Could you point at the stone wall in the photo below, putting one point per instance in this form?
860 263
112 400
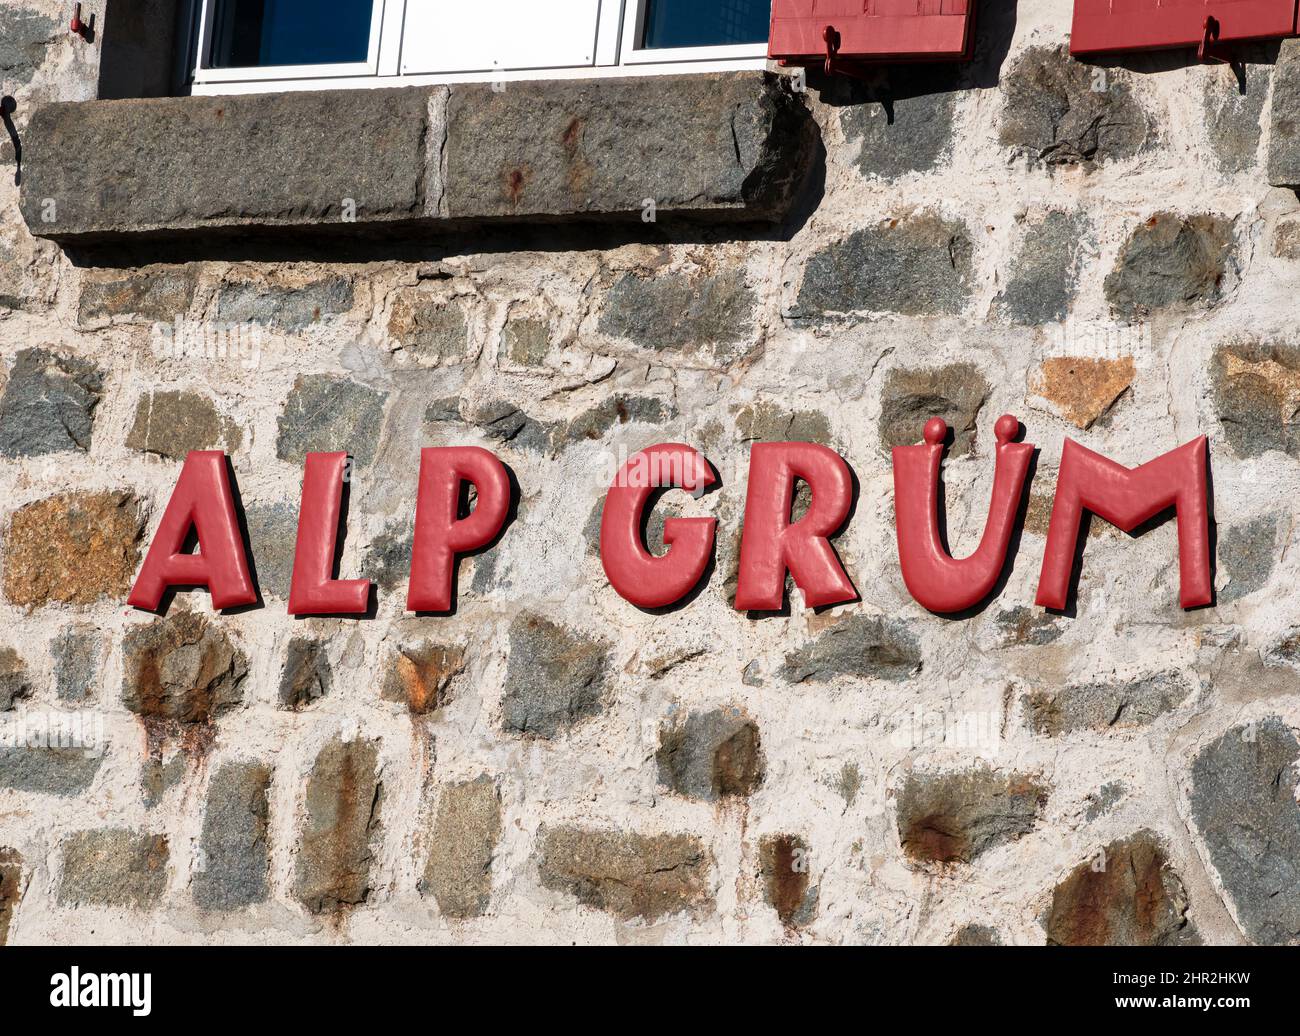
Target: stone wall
1094 248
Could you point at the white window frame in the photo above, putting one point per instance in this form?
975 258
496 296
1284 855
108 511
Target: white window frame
470 18
634 27
619 28
385 28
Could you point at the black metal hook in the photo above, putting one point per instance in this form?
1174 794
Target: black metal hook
1209 51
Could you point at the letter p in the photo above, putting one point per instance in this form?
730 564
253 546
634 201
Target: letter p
440 534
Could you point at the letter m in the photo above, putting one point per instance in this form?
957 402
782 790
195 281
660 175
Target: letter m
116 990
1127 497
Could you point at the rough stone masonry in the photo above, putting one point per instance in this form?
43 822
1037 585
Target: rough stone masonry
1109 253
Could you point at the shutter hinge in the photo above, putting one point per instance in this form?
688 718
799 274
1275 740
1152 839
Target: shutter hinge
78 27
834 64
1210 52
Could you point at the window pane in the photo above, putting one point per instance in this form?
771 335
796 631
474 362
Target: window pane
705 23
252 33
478 35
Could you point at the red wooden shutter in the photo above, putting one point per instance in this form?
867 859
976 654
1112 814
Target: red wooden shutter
871 30
1115 25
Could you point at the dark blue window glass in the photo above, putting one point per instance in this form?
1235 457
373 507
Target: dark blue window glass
252 33
705 23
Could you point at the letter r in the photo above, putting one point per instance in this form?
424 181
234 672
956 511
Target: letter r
770 545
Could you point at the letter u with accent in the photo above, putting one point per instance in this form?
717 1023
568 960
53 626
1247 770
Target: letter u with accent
934 577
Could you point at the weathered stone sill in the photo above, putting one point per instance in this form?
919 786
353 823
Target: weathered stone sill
725 147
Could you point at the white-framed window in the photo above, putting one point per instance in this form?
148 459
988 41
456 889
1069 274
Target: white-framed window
671 31
246 46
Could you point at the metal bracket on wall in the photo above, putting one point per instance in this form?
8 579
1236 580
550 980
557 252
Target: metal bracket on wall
835 65
77 26
1209 52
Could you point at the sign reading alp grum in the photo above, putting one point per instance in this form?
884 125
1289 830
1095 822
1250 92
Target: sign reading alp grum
772 545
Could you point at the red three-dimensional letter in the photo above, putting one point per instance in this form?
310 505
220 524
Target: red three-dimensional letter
202 499
314 591
1126 498
770 545
933 576
638 576
439 534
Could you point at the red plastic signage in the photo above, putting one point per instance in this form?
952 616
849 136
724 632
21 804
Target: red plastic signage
313 590
870 30
638 576
1126 498
1102 26
772 545
439 533
933 576
202 502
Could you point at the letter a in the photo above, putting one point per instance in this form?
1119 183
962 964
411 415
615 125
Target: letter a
934 577
59 996
202 500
